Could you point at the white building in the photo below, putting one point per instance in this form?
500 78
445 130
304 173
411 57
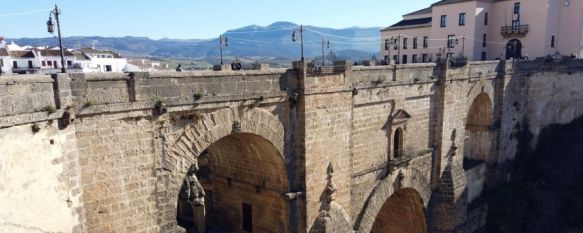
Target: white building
102 61
5 61
49 60
15 59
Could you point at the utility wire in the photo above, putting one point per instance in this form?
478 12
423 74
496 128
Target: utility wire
25 12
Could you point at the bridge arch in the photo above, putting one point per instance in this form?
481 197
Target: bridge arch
402 212
478 129
242 167
416 190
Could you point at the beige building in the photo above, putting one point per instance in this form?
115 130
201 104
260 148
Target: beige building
486 30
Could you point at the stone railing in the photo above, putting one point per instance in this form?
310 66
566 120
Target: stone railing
406 157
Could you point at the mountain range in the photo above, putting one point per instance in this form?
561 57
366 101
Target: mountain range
266 42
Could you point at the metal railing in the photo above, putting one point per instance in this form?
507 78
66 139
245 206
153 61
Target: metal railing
509 31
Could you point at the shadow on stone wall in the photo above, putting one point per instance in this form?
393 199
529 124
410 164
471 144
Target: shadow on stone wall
544 193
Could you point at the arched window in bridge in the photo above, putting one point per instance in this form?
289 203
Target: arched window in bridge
398 143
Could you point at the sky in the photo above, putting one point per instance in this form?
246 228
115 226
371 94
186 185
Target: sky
192 19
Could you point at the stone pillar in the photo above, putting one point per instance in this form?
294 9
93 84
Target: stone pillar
62 90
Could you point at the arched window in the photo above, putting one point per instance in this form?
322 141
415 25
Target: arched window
398 143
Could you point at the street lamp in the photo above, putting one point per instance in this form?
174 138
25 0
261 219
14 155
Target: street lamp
301 30
223 43
327 44
51 29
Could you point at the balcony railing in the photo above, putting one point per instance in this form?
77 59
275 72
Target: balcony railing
514 31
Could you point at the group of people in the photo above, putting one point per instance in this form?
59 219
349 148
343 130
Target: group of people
236 64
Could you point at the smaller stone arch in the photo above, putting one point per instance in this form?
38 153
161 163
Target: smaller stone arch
478 127
416 181
403 211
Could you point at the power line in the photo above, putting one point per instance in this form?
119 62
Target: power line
26 12
255 31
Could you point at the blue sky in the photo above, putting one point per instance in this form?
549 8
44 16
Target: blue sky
190 19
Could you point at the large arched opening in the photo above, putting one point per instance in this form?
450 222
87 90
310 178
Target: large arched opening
243 176
402 212
478 138
478 145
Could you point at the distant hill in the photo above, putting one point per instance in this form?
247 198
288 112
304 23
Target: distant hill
266 42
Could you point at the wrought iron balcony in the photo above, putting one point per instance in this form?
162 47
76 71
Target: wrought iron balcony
514 31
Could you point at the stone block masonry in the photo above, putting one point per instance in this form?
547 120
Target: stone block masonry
279 150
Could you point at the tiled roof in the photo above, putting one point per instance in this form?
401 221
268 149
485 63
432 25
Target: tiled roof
79 56
420 12
21 54
92 50
53 53
445 2
410 22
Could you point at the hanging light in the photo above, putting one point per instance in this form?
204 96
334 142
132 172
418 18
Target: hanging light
294 36
50 25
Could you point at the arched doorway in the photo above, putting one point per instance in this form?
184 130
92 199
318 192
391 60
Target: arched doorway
514 49
402 212
243 176
478 129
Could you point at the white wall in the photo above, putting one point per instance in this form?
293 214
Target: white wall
33 195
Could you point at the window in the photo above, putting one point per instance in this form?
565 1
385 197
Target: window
387 59
425 41
483 56
553 41
450 41
396 59
405 40
396 43
462 20
404 59
30 64
14 64
1 63
398 143
387 42
415 43
515 24
44 63
444 21
108 68
424 58
69 63
414 58
484 40
517 8
247 217
49 63
486 18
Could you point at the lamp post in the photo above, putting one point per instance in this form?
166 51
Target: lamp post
51 29
223 43
327 44
301 30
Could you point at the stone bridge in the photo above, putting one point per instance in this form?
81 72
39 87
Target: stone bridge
406 148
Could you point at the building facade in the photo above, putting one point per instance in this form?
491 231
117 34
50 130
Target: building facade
486 30
102 61
15 59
